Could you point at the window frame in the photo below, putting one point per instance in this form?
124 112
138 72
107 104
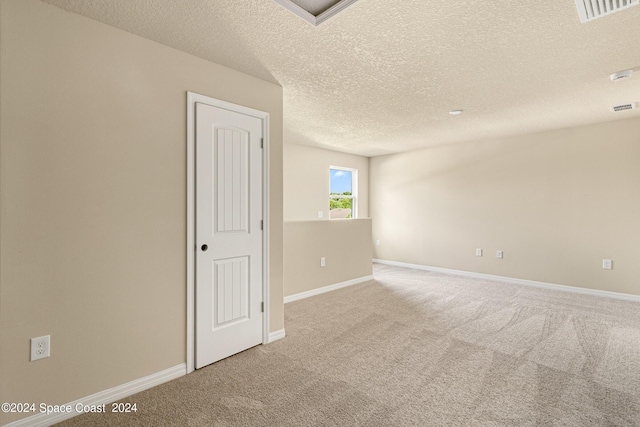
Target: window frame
354 190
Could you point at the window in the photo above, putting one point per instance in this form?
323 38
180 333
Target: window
343 192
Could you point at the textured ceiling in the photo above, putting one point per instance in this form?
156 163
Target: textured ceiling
382 75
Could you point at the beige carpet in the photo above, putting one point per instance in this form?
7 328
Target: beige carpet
420 348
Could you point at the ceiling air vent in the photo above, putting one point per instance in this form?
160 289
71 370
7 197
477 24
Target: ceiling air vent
594 9
621 75
623 107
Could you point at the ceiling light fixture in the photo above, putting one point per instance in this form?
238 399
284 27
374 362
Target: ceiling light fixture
455 112
620 75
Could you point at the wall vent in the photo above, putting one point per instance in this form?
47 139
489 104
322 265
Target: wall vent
594 9
624 107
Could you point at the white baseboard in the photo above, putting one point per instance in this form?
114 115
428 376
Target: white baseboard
104 397
565 288
276 335
314 292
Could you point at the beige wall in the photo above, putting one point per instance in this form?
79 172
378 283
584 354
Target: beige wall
344 243
93 196
306 181
556 203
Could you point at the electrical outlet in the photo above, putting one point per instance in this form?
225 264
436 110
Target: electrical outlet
498 254
40 347
322 262
320 214
607 264
478 251
377 242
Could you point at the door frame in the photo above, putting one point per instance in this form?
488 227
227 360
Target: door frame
192 99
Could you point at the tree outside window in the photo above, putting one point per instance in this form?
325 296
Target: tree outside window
342 193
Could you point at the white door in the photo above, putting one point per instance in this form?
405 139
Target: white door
228 233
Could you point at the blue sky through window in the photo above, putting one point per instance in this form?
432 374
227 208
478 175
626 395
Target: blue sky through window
340 181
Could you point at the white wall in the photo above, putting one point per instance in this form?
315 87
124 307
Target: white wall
556 203
93 196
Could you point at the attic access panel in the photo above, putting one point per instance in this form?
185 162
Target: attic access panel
315 11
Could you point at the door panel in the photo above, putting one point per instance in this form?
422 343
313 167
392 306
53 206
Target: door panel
232 191
231 291
228 233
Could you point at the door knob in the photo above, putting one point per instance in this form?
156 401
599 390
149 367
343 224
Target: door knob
204 247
